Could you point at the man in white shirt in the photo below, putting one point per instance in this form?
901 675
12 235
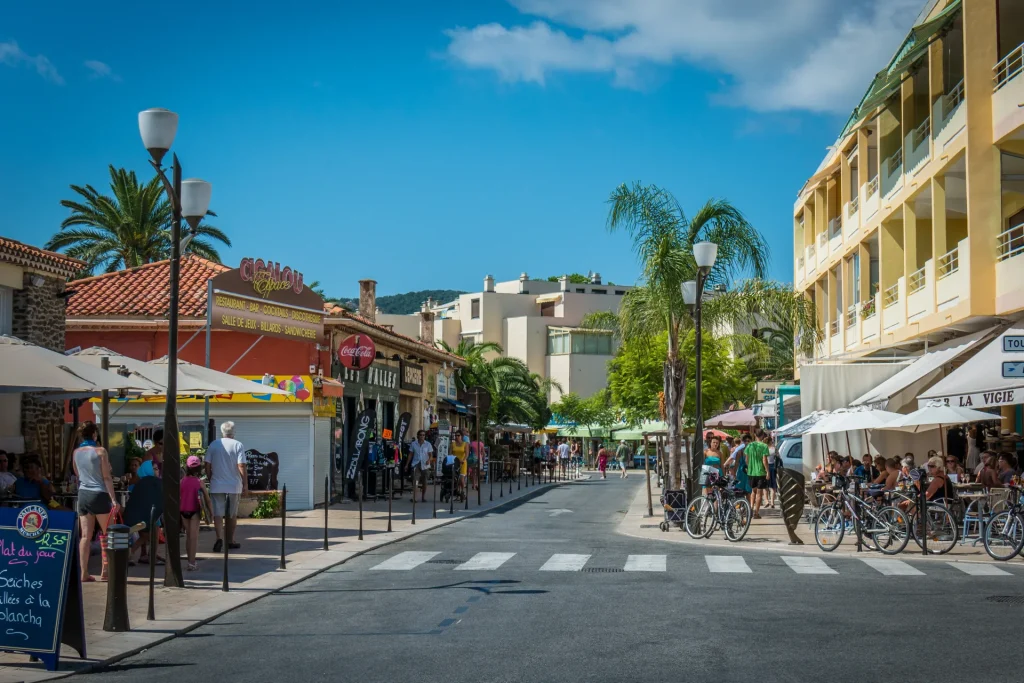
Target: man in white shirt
225 469
419 463
7 479
563 451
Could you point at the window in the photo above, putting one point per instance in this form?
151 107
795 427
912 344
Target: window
599 291
547 309
6 310
855 271
562 341
474 309
620 292
581 290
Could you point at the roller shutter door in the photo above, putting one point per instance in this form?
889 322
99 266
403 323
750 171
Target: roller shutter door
289 437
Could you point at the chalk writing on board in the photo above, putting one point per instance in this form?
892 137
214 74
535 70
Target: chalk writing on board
262 470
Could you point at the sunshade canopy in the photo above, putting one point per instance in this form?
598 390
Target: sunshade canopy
229 383
937 414
800 427
979 383
733 419
26 367
853 420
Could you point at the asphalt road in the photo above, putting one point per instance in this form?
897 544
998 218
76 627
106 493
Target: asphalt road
519 622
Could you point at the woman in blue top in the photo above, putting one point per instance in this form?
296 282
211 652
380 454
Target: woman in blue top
712 454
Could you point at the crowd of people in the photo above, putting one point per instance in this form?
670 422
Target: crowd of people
752 460
993 470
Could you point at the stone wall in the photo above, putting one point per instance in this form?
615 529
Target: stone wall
39 318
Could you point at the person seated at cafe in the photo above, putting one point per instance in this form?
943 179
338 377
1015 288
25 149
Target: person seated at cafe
132 478
908 464
888 478
7 478
987 475
150 466
32 484
866 469
940 486
953 468
1006 468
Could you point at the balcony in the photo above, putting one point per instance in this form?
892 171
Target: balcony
833 328
950 117
835 233
921 297
852 206
823 247
916 281
952 283
799 269
852 220
892 174
1009 264
948 264
811 260
870 202
1008 93
917 144
870 321
891 296
852 330
894 313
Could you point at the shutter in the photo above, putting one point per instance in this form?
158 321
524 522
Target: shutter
289 438
6 310
321 456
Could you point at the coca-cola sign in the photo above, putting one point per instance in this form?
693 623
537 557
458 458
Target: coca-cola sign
357 352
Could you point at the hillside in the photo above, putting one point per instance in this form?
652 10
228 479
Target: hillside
404 304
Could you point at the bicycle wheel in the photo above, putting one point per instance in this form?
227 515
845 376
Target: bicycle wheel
892 530
829 527
699 518
737 520
942 531
1004 536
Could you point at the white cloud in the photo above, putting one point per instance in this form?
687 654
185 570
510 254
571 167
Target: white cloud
778 55
12 55
100 69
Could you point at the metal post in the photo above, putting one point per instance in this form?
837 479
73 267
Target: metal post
469 479
209 326
171 466
922 509
698 438
227 543
647 471
434 487
415 485
284 514
116 616
451 491
490 477
480 447
856 508
391 492
501 484
519 474
104 410
154 544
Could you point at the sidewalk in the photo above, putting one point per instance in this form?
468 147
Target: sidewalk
768 533
253 572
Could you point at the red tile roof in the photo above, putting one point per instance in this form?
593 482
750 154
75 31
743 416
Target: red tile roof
335 311
143 291
33 257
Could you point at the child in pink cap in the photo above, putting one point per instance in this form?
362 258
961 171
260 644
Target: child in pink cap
192 490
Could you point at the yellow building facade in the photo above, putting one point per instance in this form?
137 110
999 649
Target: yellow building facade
912 229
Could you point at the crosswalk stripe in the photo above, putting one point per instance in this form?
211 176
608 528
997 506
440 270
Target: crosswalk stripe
482 561
979 569
406 560
727 564
891 567
565 562
646 563
808 565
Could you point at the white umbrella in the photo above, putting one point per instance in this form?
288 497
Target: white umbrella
852 419
228 384
934 415
26 367
155 375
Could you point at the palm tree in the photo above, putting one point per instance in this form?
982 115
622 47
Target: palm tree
128 229
663 238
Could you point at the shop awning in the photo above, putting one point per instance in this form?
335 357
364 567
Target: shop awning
549 298
903 387
460 408
801 426
332 388
31 368
733 419
979 383
637 433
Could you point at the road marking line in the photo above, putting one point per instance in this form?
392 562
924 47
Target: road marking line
808 565
727 564
406 560
482 561
979 569
891 567
646 563
565 562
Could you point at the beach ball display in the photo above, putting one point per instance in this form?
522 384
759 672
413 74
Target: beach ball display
295 386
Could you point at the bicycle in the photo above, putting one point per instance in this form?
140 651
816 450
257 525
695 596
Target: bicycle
1004 534
722 508
885 528
943 530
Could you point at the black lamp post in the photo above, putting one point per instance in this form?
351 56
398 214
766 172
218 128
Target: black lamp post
704 253
190 200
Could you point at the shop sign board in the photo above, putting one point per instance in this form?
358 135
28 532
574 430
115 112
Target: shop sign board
324 406
444 433
377 377
262 298
365 425
442 384
1013 343
1013 368
261 470
403 427
41 595
412 376
356 352
986 399
767 391
453 389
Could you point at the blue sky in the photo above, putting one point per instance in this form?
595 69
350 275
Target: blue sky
426 144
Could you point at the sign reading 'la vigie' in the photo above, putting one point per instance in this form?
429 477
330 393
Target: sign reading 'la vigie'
260 297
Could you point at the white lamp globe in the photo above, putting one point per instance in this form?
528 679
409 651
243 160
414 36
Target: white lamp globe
704 253
158 128
195 198
689 293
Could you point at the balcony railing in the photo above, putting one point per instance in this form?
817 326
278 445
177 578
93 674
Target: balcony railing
920 134
1008 67
947 264
800 262
853 206
891 296
894 162
852 153
823 240
916 281
872 186
810 255
952 99
833 327
851 315
1011 242
835 227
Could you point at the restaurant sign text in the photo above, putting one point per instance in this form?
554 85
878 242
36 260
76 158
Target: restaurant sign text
264 299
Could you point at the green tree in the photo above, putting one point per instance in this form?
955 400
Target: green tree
635 379
663 238
581 414
128 228
574 278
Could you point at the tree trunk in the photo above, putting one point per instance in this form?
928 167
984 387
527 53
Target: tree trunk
673 376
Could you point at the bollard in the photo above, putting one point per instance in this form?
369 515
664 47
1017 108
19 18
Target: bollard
154 544
490 477
227 544
361 480
327 509
434 487
451 491
922 509
119 545
469 483
415 485
519 477
479 481
856 509
391 493
284 512
501 484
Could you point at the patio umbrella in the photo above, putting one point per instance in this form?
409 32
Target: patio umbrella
733 419
230 384
27 367
848 420
934 415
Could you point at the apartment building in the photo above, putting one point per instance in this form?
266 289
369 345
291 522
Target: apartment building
911 231
537 321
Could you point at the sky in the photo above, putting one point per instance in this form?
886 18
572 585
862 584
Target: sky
427 144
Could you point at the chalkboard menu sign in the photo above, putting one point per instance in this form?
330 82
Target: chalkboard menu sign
262 469
40 592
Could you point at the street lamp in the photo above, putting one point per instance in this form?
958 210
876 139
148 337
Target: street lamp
190 199
704 254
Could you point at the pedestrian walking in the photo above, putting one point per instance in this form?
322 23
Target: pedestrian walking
96 499
621 453
419 463
756 455
602 461
225 469
563 454
192 495
460 449
774 465
574 453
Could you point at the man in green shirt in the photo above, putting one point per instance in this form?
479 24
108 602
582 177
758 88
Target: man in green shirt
756 454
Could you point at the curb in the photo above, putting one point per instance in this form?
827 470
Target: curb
100 666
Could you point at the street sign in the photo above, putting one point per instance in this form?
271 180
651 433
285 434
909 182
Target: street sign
1013 342
1013 368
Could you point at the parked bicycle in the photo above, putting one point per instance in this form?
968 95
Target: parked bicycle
721 508
1004 534
941 524
885 528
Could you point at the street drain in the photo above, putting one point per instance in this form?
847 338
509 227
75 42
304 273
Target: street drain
602 570
445 561
1007 599
649 526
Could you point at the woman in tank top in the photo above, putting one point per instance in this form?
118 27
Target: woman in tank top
96 499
